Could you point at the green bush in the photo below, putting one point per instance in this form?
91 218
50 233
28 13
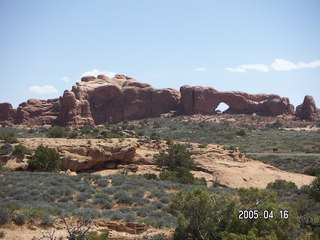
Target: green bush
45 159
177 155
202 145
6 148
73 134
241 132
282 184
155 136
58 132
20 150
94 236
20 218
181 175
202 215
150 176
4 216
313 190
312 171
8 136
156 237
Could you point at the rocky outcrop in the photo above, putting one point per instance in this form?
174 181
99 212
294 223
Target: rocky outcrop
81 154
38 112
111 100
205 100
7 114
99 100
217 164
307 110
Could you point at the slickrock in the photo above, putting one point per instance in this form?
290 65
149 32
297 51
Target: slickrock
307 110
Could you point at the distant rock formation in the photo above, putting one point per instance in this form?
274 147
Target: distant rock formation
95 101
99 100
307 110
205 100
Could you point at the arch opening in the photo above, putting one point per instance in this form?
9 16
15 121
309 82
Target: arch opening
222 107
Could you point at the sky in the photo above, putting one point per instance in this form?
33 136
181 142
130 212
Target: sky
255 46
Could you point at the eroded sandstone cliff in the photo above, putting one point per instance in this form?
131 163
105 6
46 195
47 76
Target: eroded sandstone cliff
99 100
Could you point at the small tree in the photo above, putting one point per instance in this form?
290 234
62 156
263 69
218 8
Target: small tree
45 159
282 184
20 150
177 155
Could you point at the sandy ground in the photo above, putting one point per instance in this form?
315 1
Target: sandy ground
29 232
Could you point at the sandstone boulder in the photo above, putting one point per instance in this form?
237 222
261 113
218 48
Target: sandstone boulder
307 110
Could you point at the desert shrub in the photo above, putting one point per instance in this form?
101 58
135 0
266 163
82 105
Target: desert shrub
165 199
150 176
1 165
202 145
4 215
20 218
102 182
116 215
313 190
47 220
312 171
177 155
2 234
118 180
8 136
110 190
83 197
282 184
241 132
20 150
73 134
156 237
216 216
6 148
130 217
140 132
122 197
139 193
44 159
94 236
155 136
181 175
87 212
58 132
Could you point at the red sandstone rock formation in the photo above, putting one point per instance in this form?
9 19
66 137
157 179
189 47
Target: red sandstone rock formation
102 99
205 100
307 110
98 100
38 112
7 113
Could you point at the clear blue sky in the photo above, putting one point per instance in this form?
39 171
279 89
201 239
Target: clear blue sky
256 46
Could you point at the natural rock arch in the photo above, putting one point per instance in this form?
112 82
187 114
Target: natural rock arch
221 107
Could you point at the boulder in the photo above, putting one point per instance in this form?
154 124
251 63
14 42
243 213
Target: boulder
307 110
